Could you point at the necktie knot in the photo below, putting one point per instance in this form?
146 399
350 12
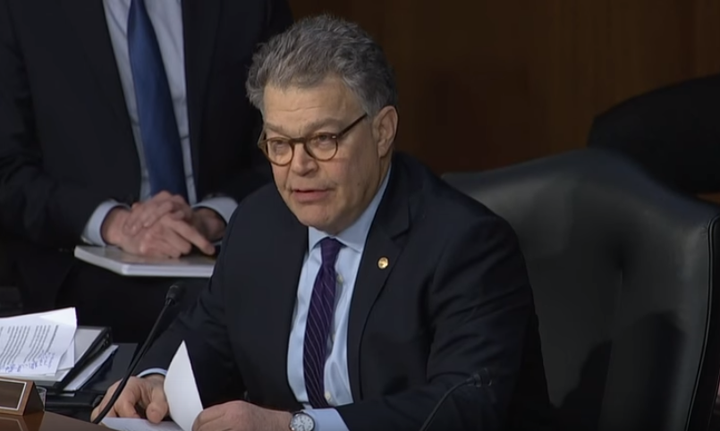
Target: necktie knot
330 247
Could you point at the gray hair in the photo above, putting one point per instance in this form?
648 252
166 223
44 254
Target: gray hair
315 48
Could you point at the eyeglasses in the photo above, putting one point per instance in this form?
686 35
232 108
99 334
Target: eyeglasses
321 146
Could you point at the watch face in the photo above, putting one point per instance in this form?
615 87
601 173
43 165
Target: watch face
302 422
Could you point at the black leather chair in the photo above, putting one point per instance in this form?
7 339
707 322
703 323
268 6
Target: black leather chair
672 131
625 277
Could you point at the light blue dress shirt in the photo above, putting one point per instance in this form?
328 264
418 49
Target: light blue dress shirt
166 17
337 379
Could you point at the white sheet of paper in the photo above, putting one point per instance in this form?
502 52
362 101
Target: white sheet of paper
34 344
128 424
181 390
68 358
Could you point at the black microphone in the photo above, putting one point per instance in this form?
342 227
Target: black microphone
479 380
173 296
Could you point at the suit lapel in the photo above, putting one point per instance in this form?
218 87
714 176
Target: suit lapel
87 17
200 24
280 290
382 250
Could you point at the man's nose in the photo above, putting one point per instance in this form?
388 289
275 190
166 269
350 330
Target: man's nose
302 162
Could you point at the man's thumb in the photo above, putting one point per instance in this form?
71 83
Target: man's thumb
156 411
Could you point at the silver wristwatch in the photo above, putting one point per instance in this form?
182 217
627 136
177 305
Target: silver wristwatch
301 421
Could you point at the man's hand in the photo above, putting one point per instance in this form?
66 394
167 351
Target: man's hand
208 223
241 416
146 393
169 237
146 214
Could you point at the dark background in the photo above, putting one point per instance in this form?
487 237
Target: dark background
488 83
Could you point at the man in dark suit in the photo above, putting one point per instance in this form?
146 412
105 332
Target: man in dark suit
673 132
124 122
359 288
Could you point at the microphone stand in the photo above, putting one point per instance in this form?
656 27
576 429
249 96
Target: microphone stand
173 295
475 380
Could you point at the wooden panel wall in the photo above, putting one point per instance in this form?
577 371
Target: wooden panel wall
487 83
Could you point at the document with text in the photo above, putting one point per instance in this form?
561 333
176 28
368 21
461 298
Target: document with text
36 344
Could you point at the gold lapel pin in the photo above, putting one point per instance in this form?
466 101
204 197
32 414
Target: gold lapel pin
383 263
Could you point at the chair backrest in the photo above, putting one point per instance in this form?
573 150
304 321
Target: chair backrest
672 131
624 273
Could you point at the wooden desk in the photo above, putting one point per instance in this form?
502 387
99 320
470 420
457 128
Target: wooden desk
45 422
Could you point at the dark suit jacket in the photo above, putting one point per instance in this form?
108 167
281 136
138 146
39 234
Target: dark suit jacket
454 300
674 132
66 144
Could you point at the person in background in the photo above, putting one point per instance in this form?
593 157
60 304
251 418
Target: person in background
124 123
357 289
673 132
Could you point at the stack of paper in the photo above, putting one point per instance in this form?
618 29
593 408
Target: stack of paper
38 345
129 424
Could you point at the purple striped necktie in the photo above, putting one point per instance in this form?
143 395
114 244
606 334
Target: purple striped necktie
319 321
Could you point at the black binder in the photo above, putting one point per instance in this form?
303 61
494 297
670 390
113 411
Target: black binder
102 341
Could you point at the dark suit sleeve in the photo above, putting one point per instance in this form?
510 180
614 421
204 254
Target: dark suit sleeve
204 329
32 204
672 132
278 18
480 307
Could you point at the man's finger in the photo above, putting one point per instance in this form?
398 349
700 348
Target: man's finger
145 215
108 394
96 411
158 408
207 417
161 196
132 218
179 215
153 244
154 212
131 223
191 234
161 247
125 408
175 242
211 425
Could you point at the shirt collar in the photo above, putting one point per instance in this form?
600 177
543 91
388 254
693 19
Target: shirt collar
355 235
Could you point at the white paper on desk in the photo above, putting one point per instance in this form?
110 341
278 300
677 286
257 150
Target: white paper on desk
130 424
34 344
68 358
181 390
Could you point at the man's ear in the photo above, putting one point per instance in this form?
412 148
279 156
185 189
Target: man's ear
384 129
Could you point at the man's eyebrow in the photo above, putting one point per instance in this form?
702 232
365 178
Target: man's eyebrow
309 128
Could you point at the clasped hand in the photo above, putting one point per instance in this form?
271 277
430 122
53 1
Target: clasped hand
147 395
163 226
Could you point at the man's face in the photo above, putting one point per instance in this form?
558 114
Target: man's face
328 195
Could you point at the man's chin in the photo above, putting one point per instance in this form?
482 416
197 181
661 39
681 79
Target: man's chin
315 221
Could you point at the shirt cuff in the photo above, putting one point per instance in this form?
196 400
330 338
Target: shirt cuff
152 371
327 420
224 206
92 234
